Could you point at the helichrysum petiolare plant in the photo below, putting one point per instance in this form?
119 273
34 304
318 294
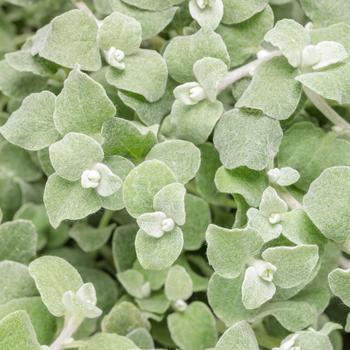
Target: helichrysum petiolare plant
174 174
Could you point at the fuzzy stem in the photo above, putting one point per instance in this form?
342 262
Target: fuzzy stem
106 218
292 202
245 70
70 326
321 104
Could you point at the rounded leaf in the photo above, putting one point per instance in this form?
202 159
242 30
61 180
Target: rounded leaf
178 284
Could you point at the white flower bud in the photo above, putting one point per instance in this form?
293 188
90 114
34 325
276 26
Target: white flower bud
168 225
115 58
275 218
264 269
197 93
274 175
203 4
290 344
90 178
311 55
180 305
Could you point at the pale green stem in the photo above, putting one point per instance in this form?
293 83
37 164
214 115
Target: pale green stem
292 202
321 104
106 218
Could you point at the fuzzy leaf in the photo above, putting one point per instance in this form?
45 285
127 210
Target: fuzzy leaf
158 253
247 139
145 74
65 200
17 332
229 250
142 183
31 126
273 90
153 5
82 106
120 31
193 329
339 282
74 154
18 241
209 16
241 10
184 51
331 219
108 341
195 123
71 39
53 277
178 284
294 264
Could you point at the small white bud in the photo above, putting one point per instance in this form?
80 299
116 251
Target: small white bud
180 305
115 58
168 225
274 175
197 93
311 55
290 344
309 26
264 269
203 4
275 218
90 178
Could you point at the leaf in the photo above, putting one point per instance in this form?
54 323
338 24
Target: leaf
19 84
238 337
339 282
157 303
243 39
299 229
31 126
331 84
256 291
193 329
71 39
229 250
142 338
158 253
152 223
18 241
134 283
19 287
171 201
209 16
123 247
294 264
43 322
184 51
241 10
244 181
308 149
331 219
178 284
73 154
273 90
120 31
209 72
145 74
82 105
105 341
290 38
152 22
153 5
142 183
182 157
17 332
65 200
247 139
326 12
127 138
89 238
195 123
53 277
24 61
123 318
198 218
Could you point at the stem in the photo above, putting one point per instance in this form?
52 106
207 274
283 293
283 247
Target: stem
321 104
70 326
106 218
292 202
245 70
